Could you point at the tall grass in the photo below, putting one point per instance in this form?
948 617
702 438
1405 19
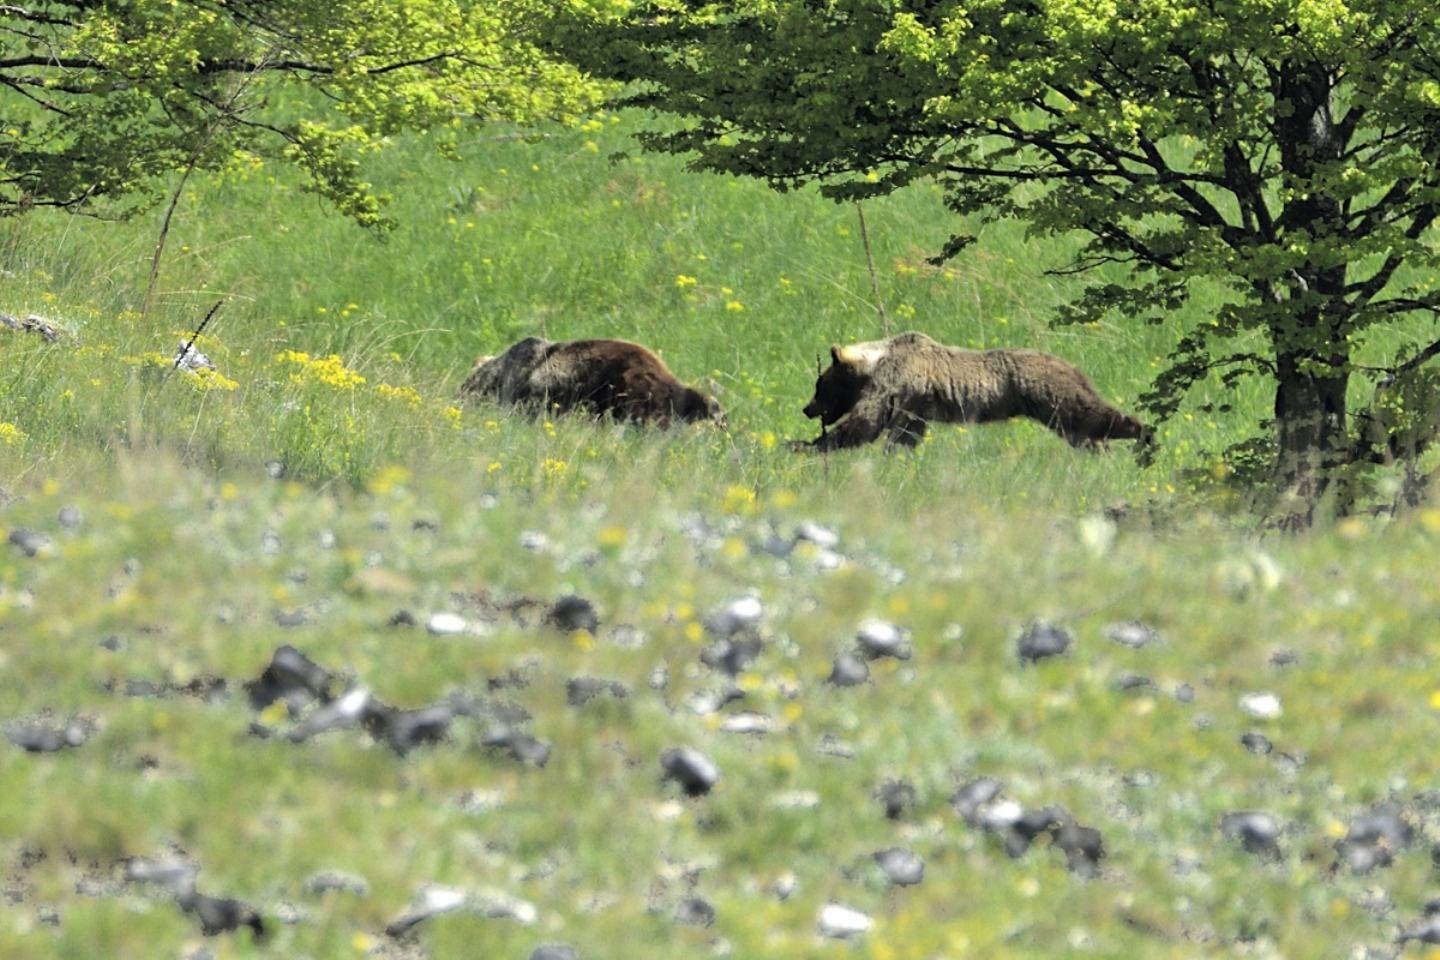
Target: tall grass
738 288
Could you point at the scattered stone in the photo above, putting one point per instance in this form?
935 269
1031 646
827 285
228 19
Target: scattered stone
1084 847
1040 640
554 951
1262 705
219 915
732 655
293 677
878 638
1289 763
290 619
1258 832
898 798
832 746
581 690
1373 838
431 902
812 532
1257 743
783 887
70 517
692 770
38 737
848 671
1284 657
1018 834
534 541
402 618
344 712
177 876
404 730
1424 930
189 359
573 613
742 613
1132 634
903 867
34 323
747 722
174 874
706 702
695 912
275 469
29 542
522 747
1133 681
972 798
839 922
446 624
1184 693
328 881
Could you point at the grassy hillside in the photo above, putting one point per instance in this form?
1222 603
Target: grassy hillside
735 286
166 535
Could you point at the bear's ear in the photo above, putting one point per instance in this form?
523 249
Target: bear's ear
835 354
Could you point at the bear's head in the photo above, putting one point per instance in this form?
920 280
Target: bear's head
838 389
692 406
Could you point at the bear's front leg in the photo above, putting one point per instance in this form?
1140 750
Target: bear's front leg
863 425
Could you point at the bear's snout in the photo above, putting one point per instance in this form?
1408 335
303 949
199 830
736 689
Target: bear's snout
811 410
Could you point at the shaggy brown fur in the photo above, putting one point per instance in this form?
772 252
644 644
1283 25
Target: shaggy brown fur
897 386
604 377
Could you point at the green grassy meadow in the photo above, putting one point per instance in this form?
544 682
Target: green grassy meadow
328 479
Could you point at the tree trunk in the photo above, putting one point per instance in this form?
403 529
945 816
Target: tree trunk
1310 432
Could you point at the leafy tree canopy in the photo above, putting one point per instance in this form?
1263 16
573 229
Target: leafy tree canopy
1286 147
99 98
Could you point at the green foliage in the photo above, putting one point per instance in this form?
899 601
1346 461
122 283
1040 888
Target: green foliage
101 100
1287 149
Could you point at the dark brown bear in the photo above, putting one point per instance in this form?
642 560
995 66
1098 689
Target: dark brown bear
896 386
603 377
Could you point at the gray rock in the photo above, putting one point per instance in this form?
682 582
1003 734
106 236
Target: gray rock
28 542
692 770
903 867
811 532
573 613
879 638
554 951
1257 831
848 671
38 737
839 922
1084 847
695 912
581 690
898 798
1041 640
70 517
290 676
973 796
1257 743
742 613
337 881
1133 634
521 747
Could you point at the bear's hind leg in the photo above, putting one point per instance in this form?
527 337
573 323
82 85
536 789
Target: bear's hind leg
905 430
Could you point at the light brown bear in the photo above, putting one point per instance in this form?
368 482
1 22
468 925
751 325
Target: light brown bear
603 377
896 386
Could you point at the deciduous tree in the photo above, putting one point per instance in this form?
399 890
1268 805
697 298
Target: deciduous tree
100 99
